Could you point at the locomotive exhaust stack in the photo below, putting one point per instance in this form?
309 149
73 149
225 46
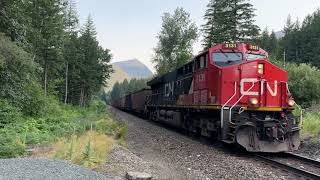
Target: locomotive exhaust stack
231 92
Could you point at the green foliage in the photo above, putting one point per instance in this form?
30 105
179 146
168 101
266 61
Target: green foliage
304 82
175 40
301 40
8 114
10 144
71 67
18 78
311 125
268 41
228 20
121 89
92 67
13 21
19 131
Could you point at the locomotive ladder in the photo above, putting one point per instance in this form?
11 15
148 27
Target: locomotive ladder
228 126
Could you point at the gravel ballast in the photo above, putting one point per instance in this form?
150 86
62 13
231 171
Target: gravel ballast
310 149
177 156
40 169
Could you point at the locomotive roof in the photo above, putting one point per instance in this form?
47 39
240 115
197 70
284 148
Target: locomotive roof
171 74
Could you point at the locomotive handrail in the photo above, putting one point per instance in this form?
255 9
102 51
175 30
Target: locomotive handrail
299 107
222 108
239 101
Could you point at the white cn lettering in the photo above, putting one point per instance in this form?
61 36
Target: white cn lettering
247 92
169 87
273 92
250 81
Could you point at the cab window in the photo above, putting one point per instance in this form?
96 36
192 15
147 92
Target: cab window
201 62
251 56
226 58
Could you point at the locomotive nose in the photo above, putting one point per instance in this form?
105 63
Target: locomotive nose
263 84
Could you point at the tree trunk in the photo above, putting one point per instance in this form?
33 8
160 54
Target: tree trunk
81 96
66 84
45 77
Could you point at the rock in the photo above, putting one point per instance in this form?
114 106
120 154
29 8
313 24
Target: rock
138 176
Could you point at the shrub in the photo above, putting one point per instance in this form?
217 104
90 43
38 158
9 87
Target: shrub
304 82
18 78
11 144
8 113
311 125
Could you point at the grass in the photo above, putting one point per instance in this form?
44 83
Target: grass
311 125
18 132
89 150
91 147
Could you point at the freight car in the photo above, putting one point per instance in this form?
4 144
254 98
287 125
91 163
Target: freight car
231 92
134 102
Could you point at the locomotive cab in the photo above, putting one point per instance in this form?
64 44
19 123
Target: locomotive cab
255 101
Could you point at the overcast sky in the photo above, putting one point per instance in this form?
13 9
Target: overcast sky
129 27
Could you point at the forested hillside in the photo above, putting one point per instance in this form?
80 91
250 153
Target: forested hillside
51 72
129 69
71 63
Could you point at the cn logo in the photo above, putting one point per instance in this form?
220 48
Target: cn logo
252 81
168 89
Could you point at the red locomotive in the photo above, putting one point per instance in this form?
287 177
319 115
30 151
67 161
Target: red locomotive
231 92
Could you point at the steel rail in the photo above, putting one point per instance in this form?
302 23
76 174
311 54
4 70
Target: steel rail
303 158
292 169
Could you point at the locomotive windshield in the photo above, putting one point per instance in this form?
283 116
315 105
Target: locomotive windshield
251 56
226 58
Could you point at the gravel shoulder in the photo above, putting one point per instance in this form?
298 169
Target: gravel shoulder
40 168
167 154
310 149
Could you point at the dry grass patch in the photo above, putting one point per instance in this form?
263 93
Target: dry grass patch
89 150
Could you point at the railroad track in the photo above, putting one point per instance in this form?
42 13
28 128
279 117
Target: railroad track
299 165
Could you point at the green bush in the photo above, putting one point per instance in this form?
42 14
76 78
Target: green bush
8 114
311 124
18 78
11 144
56 121
304 82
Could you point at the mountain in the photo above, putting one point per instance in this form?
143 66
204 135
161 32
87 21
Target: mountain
118 76
127 70
134 68
279 34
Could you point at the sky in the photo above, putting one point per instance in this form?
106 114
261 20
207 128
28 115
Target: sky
129 27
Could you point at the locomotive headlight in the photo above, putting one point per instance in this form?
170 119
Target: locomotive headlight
291 102
260 68
253 101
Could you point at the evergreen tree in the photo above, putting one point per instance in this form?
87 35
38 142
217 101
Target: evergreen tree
13 21
264 38
70 50
121 89
268 42
291 42
273 43
229 20
94 63
46 35
116 91
175 41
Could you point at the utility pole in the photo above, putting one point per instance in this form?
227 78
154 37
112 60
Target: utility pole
284 58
